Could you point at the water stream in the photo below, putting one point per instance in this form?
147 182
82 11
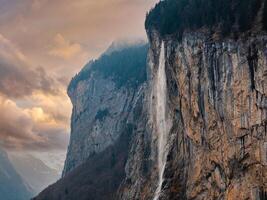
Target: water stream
162 128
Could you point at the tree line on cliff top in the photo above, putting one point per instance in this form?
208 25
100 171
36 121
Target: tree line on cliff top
177 16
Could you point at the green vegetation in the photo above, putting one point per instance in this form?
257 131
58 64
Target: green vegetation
177 16
125 67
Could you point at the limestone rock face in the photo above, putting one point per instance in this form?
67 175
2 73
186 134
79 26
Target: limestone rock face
101 104
99 110
109 120
217 100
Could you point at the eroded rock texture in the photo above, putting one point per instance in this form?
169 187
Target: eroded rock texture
108 117
217 97
103 95
99 113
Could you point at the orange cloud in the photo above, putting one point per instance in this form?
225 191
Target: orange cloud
64 48
29 100
30 128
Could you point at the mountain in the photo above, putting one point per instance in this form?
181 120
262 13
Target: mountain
12 187
33 171
103 94
199 128
107 97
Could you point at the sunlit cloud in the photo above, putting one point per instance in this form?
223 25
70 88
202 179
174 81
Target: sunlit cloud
35 124
64 48
16 126
29 129
58 106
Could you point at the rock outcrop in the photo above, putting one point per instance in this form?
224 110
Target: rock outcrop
217 100
217 103
108 102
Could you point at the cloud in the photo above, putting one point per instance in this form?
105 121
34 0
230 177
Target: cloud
64 48
17 77
63 35
57 106
15 122
29 101
29 129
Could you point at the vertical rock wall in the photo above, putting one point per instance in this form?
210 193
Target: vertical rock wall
218 99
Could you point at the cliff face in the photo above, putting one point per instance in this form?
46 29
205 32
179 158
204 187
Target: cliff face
196 130
99 111
108 98
207 102
101 104
217 100
210 139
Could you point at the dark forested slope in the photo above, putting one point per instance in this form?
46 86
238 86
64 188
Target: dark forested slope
227 16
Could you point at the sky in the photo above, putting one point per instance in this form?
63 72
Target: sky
43 44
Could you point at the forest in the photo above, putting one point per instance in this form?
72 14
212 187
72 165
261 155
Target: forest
126 67
226 16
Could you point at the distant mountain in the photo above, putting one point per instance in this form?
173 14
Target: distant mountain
12 186
33 171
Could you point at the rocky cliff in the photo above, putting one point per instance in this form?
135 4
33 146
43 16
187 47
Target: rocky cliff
199 131
108 100
216 103
103 95
207 103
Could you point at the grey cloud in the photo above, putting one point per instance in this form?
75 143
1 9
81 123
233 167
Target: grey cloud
17 77
18 81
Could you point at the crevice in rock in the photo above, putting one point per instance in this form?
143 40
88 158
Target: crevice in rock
252 63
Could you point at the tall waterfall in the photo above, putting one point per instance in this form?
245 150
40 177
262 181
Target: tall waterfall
162 127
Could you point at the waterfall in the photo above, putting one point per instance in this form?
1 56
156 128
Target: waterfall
162 128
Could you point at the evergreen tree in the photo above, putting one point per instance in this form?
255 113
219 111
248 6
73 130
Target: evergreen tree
176 16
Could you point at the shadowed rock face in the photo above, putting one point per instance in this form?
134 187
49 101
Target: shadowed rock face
103 95
107 118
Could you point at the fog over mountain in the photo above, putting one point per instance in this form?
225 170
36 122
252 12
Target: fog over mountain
33 171
12 186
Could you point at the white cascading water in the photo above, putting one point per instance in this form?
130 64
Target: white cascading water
162 128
